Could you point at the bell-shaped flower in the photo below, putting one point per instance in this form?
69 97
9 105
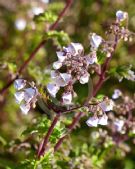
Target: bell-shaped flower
29 94
57 65
84 78
74 49
118 124
117 93
121 16
92 122
106 105
25 108
19 96
63 79
61 56
95 41
67 98
92 58
54 74
103 120
52 89
19 84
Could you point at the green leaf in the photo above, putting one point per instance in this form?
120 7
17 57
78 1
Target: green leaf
47 16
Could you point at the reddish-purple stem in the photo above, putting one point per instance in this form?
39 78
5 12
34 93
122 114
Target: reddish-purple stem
70 128
41 44
42 146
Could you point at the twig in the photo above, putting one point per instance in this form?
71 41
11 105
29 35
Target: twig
41 44
42 146
105 67
70 128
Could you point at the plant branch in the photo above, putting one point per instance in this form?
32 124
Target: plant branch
34 52
104 69
42 146
70 128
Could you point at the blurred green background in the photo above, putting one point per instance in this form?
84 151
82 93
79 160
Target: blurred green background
16 43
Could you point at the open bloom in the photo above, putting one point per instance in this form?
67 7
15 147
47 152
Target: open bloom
118 124
67 98
106 105
25 97
95 41
117 93
103 120
121 16
92 58
92 121
19 84
52 89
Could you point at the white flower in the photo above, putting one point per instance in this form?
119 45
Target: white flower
63 79
117 93
84 78
95 41
29 94
37 10
106 105
45 1
20 24
19 96
92 121
19 84
61 56
74 49
54 74
91 59
118 125
131 75
67 98
103 120
121 16
52 89
25 108
57 65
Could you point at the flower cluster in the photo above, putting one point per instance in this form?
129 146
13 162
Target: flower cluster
75 64
26 97
99 110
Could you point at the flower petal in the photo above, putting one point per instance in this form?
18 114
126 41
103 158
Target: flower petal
19 96
121 16
57 65
103 120
63 79
29 94
95 41
85 78
107 105
61 56
67 98
19 84
92 122
25 108
52 89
